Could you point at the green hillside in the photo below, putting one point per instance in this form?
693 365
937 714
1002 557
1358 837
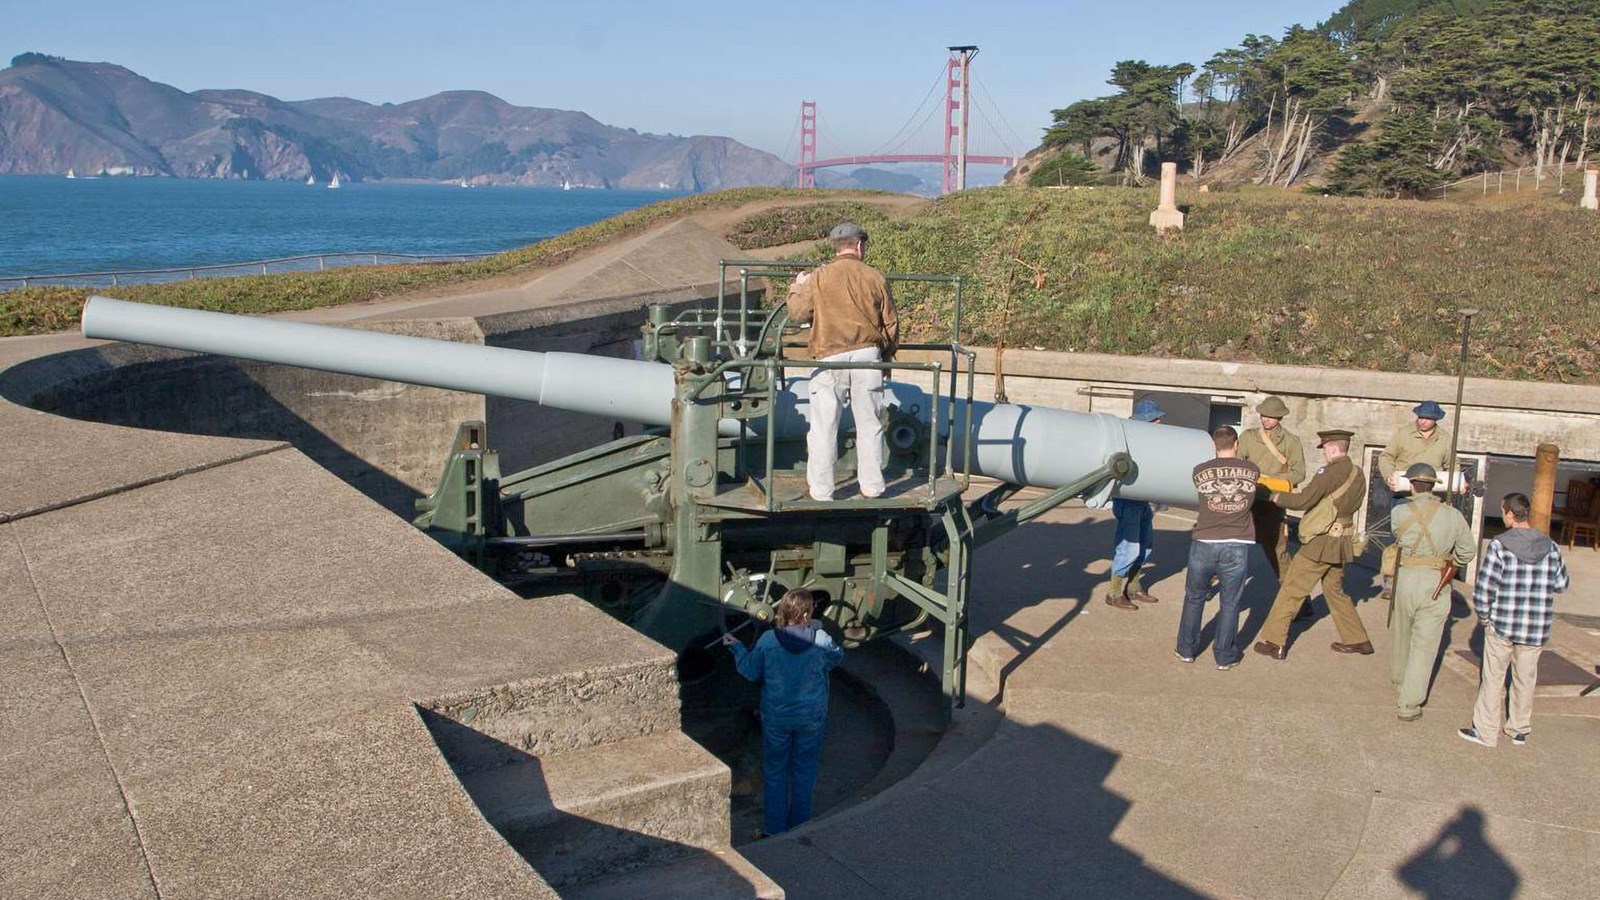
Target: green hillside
1262 275
1258 275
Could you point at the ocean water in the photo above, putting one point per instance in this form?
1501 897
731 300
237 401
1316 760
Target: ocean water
51 224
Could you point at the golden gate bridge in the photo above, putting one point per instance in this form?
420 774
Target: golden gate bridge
995 144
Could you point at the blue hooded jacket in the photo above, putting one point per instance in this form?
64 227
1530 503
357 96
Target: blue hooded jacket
792 665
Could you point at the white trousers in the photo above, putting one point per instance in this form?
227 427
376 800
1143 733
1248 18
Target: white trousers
830 389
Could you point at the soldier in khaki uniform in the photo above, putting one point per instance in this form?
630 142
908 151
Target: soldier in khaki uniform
1332 498
1435 542
1278 453
1422 442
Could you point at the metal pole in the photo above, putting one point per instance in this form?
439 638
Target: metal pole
1461 387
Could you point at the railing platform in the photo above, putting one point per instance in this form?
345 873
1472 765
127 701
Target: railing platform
788 493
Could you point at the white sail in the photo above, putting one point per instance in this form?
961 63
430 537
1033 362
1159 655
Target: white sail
311 181
335 181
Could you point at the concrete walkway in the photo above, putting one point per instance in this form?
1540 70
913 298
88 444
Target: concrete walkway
1119 771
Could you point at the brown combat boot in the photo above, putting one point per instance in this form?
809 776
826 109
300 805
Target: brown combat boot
1117 594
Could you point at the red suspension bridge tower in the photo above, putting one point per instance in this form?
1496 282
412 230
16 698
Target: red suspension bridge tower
956 76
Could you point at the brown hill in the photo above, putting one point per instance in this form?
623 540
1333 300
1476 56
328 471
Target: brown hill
58 114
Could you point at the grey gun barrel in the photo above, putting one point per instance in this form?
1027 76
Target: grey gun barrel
1032 445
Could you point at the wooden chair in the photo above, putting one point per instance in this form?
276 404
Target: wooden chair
1580 516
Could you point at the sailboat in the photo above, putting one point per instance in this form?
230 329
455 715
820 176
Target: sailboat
311 181
566 185
71 174
334 183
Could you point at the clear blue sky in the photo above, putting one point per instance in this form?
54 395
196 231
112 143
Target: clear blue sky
712 67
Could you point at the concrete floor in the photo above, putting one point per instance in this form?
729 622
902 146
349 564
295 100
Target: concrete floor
1119 771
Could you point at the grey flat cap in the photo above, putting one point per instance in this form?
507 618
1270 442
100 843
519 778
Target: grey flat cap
845 231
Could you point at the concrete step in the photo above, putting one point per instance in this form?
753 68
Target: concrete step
608 809
592 704
710 875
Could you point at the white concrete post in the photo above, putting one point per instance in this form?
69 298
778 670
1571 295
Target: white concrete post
1167 214
1591 178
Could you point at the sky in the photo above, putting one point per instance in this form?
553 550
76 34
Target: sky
712 67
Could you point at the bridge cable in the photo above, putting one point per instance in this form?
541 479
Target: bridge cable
932 89
790 144
1021 147
917 133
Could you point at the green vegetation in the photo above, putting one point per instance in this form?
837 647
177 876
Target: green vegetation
37 310
1402 95
1063 169
1260 275
792 224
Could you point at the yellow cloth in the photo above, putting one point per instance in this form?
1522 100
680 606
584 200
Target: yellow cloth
1276 485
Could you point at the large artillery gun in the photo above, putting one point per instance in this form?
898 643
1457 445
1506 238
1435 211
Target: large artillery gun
702 522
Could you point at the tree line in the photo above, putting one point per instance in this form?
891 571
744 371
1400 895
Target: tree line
1395 97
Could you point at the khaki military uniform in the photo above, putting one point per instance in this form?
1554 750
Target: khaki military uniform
1431 535
1279 454
1409 446
1322 557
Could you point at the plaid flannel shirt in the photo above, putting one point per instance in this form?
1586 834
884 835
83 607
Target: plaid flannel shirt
1516 598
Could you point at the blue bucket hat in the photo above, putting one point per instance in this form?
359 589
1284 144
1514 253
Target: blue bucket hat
1148 411
1429 410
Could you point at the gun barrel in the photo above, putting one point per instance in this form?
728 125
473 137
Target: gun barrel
623 388
1031 445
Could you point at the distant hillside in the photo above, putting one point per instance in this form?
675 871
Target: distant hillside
1385 98
57 114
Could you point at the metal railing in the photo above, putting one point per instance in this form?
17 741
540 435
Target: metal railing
310 262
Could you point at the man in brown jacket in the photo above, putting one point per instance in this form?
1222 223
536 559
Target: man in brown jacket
1332 498
1278 453
852 320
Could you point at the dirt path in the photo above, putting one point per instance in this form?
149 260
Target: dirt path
717 221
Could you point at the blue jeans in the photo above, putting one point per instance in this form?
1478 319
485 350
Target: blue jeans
789 755
1135 535
1229 563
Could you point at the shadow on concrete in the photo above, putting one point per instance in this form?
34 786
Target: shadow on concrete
1029 815
509 788
202 395
1460 864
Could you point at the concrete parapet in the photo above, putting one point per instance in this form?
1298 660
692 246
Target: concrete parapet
223 662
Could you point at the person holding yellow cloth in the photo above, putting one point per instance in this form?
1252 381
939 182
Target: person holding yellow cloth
1277 452
1331 499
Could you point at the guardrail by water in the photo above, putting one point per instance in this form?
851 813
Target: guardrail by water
311 262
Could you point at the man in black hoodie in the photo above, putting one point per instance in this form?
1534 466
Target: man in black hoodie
1515 600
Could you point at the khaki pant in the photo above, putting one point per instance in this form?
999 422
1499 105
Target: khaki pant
1297 583
1417 626
1523 659
1272 533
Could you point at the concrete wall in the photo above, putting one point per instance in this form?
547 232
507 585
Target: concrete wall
1502 418
386 439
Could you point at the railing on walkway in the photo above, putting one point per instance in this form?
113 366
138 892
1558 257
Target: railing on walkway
311 262
1554 177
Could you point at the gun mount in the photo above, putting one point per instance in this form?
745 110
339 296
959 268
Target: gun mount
703 520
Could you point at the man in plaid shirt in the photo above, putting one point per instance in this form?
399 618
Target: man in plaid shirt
1515 600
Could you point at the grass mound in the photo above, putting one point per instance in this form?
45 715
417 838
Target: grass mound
1262 276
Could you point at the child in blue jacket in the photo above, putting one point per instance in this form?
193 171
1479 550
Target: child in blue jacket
791 662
